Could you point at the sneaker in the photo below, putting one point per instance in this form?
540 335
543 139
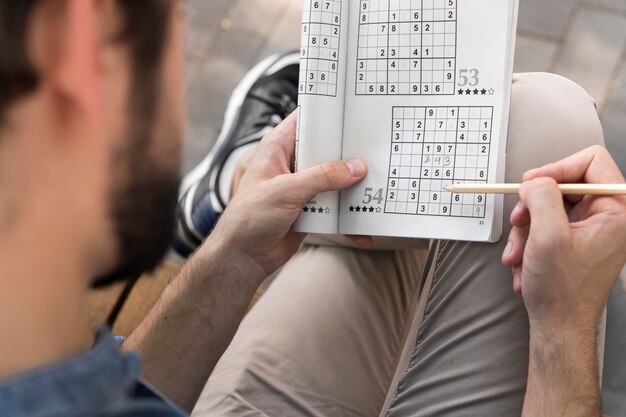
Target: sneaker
265 97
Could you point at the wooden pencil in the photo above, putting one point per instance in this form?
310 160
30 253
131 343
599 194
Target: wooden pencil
566 189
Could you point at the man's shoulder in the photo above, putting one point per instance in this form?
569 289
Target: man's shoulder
102 382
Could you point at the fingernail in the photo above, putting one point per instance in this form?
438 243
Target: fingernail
508 250
517 208
356 167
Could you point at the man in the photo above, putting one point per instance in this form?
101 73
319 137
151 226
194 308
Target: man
92 115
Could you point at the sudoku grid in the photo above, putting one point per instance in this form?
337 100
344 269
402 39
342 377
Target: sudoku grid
320 47
432 147
407 47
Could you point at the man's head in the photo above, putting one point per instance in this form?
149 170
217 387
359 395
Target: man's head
91 117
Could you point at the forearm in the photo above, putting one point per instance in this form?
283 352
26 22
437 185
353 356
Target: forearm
563 374
190 327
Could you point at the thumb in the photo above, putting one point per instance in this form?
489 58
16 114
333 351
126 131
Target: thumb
329 176
545 204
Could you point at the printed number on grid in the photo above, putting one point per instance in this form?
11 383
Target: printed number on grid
407 47
431 148
319 63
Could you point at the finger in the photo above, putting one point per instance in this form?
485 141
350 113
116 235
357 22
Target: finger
520 216
514 252
362 242
275 154
284 136
591 165
242 167
549 220
329 176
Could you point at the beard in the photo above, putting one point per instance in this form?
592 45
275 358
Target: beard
144 193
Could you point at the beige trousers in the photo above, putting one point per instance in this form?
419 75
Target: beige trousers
406 332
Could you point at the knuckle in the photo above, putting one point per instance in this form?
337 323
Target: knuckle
544 185
539 186
545 182
562 170
329 173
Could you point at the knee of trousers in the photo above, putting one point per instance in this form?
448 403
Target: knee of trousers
551 118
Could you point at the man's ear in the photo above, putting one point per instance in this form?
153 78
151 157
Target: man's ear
67 44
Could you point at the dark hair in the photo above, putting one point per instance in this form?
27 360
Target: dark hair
144 30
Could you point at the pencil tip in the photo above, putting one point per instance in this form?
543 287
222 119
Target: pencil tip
447 188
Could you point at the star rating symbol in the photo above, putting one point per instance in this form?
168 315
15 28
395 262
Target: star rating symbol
483 91
491 91
316 210
460 91
468 91
476 91
364 209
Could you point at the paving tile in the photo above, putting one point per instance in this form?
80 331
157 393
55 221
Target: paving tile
209 90
532 54
545 17
592 51
614 120
204 19
286 35
618 5
256 16
205 15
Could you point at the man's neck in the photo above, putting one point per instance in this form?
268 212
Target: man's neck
42 297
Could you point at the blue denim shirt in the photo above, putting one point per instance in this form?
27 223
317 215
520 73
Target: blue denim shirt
100 383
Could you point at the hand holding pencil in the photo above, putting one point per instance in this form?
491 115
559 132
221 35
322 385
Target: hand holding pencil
566 251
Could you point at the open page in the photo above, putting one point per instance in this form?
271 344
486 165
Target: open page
427 101
321 103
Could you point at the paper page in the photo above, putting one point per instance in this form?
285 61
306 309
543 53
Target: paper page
428 92
321 103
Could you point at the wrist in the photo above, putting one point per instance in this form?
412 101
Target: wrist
562 340
230 259
563 372
569 326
